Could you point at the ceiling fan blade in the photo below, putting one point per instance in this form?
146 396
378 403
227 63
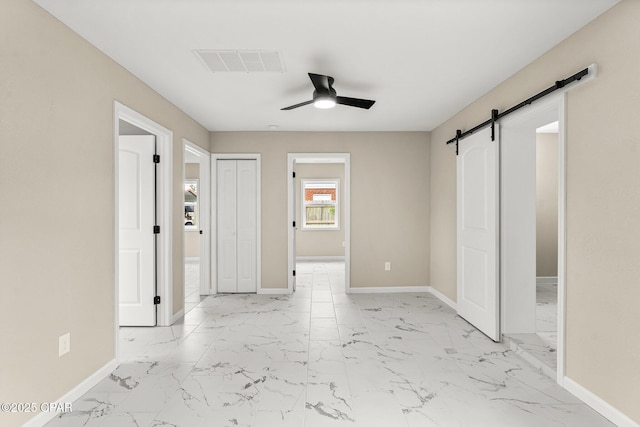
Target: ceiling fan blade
291 107
355 102
321 83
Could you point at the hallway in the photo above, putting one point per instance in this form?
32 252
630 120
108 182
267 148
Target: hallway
321 357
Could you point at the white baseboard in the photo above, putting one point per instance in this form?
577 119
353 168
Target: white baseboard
604 408
273 291
388 289
320 259
547 280
74 394
442 297
177 316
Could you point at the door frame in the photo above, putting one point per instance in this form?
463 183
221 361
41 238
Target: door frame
296 158
214 220
204 204
555 106
164 200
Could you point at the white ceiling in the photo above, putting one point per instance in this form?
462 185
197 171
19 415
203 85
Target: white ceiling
421 60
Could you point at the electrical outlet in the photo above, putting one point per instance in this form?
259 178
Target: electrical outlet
387 266
64 344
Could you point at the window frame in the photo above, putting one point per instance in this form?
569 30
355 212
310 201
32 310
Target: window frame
304 203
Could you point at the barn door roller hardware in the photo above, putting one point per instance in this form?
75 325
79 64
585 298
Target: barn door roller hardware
495 115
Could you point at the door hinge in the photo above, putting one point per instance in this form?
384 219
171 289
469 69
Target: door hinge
156 300
156 158
156 229
294 223
294 273
294 174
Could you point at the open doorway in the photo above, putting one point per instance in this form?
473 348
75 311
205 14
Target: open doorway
319 218
197 266
129 123
532 238
547 241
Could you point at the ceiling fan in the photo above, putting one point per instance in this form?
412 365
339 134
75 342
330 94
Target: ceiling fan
325 96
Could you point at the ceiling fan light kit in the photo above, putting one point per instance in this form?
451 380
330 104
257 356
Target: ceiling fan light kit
325 96
324 102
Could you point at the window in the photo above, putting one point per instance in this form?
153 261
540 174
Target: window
191 211
320 204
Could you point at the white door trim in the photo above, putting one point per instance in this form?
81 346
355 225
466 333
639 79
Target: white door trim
319 158
562 236
214 224
204 204
164 144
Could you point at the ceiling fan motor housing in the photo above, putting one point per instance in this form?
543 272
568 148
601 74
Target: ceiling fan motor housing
328 94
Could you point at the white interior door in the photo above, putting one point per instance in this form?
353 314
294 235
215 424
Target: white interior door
237 225
136 276
477 226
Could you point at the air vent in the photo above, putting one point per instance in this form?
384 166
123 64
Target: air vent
241 61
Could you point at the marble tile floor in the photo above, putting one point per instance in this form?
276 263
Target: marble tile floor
321 357
540 348
191 284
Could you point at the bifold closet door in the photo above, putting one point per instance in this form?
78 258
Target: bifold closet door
246 225
237 226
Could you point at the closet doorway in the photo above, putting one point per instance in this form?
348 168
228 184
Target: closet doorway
236 212
197 224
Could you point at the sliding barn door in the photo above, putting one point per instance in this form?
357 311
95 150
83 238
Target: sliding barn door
237 226
477 226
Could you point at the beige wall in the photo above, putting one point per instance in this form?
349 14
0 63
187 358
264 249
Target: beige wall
192 170
547 204
319 242
57 97
192 237
394 165
603 200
